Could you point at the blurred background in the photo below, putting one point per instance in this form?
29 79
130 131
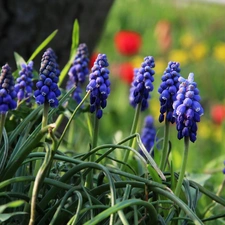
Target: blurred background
189 32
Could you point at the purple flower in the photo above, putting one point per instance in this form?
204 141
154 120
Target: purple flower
47 88
142 84
79 71
187 109
168 89
148 134
24 86
7 92
99 85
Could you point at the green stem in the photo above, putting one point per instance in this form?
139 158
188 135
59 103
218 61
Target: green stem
133 130
40 149
165 146
71 133
183 167
43 124
89 183
95 135
2 124
71 118
37 183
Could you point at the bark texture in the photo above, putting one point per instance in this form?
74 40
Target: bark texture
25 24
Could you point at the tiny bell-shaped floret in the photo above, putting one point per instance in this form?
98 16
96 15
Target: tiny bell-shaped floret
142 84
99 85
47 88
24 83
168 90
187 108
7 92
148 134
79 71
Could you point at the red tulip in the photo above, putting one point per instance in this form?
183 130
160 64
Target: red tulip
92 59
128 42
126 72
218 113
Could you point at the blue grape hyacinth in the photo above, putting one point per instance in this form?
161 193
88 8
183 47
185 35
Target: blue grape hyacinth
24 86
142 84
168 89
47 88
148 134
7 92
99 85
79 71
187 108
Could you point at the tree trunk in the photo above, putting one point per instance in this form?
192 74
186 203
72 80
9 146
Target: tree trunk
25 24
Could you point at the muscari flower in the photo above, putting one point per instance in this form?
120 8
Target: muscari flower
47 88
79 71
148 134
24 86
99 85
7 92
187 109
142 83
168 89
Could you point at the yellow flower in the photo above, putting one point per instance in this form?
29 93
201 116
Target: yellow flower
187 40
178 55
205 130
199 51
155 107
160 66
137 61
218 133
219 51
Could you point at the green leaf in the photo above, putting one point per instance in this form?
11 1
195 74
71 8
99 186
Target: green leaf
199 178
121 205
4 154
154 174
75 38
42 45
75 41
6 216
13 204
173 181
19 60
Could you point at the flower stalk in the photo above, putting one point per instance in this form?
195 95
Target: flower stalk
165 146
133 130
183 167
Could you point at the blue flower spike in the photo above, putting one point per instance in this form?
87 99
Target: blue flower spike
7 92
79 71
24 83
47 87
187 108
99 85
148 133
168 89
142 84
